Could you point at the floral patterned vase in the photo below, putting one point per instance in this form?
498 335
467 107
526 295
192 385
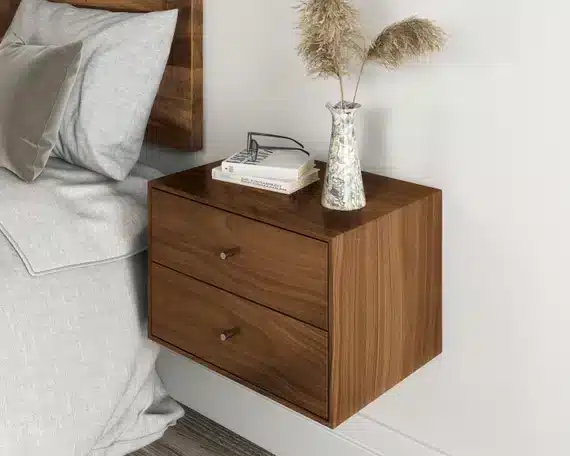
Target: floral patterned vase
343 189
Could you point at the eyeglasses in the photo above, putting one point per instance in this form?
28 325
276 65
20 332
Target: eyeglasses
253 146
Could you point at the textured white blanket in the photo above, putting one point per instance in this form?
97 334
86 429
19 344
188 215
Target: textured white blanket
77 371
72 217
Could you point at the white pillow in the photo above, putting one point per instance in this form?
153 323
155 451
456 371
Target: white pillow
124 57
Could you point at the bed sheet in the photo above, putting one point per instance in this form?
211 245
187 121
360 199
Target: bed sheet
77 371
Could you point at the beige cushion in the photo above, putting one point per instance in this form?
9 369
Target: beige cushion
35 85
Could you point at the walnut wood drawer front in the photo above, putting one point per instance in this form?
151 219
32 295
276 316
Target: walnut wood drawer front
273 267
276 353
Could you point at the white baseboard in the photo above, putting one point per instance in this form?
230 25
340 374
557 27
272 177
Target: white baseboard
383 440
273 426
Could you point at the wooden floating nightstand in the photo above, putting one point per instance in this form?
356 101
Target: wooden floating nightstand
321 311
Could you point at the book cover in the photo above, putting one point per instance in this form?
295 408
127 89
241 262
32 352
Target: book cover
283 186
276 164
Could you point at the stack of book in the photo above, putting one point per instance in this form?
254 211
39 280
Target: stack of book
281 171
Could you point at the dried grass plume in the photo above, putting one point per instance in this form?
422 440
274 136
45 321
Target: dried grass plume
407 39
330 35
332 38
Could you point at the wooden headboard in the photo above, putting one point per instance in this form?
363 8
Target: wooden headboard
177 115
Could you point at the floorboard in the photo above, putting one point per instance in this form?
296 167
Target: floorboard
196 435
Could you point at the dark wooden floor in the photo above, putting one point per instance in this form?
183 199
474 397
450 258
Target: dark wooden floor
195 435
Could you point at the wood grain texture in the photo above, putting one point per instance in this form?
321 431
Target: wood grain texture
384 269
386 319
138 6
301 212
7 10
241 381
277 353
177 115
5 14
276 268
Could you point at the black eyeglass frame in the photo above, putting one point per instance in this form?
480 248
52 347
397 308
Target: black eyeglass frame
253 145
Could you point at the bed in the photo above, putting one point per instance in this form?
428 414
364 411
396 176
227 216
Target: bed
77 371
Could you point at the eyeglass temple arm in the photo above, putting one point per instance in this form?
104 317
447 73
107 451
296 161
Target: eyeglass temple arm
286 148
269 135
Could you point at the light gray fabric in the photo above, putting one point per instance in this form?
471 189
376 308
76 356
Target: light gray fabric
35 85
124 57
72 217
77 370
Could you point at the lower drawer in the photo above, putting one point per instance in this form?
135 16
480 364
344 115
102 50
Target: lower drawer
278 354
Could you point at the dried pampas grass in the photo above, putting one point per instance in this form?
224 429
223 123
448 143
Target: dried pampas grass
331 38
407 39
330 33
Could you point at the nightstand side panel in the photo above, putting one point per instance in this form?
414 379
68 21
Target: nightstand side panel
385 304
421 234
355 338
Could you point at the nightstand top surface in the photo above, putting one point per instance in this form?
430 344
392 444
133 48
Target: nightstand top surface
300 212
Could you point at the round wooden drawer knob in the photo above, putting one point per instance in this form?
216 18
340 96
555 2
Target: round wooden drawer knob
227 335
229 253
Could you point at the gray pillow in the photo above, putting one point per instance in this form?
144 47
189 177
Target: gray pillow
35 85
124 57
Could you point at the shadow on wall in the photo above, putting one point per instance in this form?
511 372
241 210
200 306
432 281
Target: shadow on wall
372 134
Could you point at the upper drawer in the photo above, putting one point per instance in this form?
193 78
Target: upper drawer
279 354
277 268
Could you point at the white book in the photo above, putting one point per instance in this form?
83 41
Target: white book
286 187
275 164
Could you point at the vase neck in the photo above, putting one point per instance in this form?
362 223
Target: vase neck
343 117
346 107
343 121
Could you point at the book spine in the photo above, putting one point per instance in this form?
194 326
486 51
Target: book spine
265 171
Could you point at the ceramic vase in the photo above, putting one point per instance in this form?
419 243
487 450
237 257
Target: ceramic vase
343 189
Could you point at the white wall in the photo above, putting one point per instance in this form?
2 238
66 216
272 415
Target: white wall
487 121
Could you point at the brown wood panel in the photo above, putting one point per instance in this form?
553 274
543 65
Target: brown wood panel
421 230
187 53
177 117
278 354
5 15
276 268
301 212
7 10
241 381
172 114
142 6
386 304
